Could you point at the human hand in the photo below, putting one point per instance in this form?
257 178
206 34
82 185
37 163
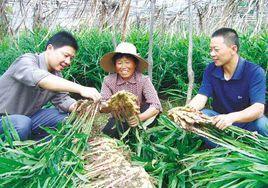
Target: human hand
223 121
104 107
73 107
90 92
133 121
83 106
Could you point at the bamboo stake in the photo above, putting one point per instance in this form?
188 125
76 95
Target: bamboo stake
151 38
190 55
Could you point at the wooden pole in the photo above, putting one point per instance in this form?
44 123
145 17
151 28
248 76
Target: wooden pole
150 51
190 54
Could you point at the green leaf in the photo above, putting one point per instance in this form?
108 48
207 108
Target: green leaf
7 133
8 165
125 133
148 122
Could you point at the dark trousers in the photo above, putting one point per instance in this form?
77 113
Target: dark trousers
29 127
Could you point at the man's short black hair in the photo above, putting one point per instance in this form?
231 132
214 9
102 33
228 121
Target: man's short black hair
230 36
61 39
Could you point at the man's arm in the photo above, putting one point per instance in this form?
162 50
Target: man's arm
249 114
58 84
198 102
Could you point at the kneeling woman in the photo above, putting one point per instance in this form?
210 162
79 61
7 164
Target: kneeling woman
126 67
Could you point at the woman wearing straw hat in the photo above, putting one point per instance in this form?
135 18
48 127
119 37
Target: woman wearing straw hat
125 67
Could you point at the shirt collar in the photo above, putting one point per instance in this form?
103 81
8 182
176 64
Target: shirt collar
42 61
218 71
132 80
43 65
239 69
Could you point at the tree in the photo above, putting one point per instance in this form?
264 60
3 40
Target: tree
125 16
150 51
190 54
37 19
4 22
260 15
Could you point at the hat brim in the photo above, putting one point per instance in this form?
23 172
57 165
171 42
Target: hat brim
107 64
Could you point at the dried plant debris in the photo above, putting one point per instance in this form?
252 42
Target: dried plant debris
187 117
108 166
83 106
123 105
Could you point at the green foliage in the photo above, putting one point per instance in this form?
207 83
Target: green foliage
55 161
241 162
26 42
169 55
167 152
85 69
160 148
255 49
174 158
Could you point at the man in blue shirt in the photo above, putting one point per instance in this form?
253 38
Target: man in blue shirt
236 86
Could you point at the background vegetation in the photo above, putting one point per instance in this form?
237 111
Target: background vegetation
169 54
167 152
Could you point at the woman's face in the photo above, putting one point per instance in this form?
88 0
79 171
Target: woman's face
125 67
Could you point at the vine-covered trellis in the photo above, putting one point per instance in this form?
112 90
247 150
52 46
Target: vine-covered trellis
120 15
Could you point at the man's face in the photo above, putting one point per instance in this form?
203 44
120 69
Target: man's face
125 67
59 58
220 52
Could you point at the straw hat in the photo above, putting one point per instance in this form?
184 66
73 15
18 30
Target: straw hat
124 48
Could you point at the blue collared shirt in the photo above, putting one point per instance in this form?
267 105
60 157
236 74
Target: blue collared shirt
246 87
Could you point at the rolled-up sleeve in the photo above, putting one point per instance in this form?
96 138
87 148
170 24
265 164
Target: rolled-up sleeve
26 71
63 101
150 94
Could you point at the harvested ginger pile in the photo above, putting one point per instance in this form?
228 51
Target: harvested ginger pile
186 117
123 105
108 165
